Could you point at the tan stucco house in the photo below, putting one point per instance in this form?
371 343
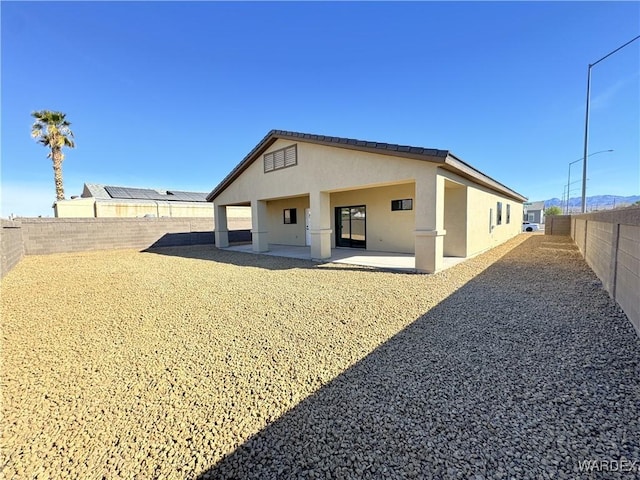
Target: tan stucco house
330 192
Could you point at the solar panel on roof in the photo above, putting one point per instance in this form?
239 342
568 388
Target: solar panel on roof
149 194
117 192
188 196
142 193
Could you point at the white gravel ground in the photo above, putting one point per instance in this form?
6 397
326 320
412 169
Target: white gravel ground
193 362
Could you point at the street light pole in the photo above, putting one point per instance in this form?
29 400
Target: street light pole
586 144
586 123
569 177
569 183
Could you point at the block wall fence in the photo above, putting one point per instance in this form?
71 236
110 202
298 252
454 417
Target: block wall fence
610 243
42 236
11 245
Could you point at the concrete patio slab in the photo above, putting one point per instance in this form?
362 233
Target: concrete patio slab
351 256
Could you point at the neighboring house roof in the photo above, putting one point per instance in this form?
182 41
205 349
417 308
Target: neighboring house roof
445 158
535 206
111 192
94 190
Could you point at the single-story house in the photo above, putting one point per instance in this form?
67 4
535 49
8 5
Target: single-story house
331 192
99 200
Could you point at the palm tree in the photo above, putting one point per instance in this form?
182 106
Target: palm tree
51 129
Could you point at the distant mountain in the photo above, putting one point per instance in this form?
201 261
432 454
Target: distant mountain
597 202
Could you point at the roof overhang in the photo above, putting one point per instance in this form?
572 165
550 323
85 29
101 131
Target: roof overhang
444 158
455 165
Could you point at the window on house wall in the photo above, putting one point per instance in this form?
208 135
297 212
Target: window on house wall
283 158
490 220
406 204
508 213
531 217
290 216
499 213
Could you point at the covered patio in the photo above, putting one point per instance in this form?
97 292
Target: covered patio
403 262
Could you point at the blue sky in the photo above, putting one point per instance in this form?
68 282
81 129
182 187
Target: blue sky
174 94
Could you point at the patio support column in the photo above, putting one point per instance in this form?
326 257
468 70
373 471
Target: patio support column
320 228
221 228
259 231
429 215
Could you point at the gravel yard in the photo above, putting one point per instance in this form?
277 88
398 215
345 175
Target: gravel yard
192 362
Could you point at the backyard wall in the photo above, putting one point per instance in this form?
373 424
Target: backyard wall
12 248
557 225
41 236
57 235
610 243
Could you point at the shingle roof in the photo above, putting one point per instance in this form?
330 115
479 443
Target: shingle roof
444 157
108 192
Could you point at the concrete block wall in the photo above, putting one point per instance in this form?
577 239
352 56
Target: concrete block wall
578 232
610 244
43 236
600 251
627 287
57 235
557 225
11 246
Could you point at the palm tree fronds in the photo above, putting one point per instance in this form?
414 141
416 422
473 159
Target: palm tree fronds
52 130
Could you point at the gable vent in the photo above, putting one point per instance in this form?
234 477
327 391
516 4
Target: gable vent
285 157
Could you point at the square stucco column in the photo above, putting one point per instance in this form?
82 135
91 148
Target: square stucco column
429 215
259 231
221 228
320 228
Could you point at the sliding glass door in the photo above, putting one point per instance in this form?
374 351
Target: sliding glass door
351 226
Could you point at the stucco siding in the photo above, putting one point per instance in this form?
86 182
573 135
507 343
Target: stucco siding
386 230
455 220
287 234
159 209
90 207
483 232
321 168
75 208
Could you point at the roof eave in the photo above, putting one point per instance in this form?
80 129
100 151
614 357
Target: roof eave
437 156
444 158
456 165
265 143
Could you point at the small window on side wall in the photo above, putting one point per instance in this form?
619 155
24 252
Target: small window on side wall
499 213
290 216
406 204
508 213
